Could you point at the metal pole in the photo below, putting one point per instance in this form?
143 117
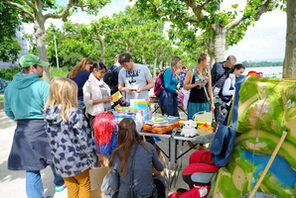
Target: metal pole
56 51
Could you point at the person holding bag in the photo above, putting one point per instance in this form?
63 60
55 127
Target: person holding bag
130 163
199 83
168 100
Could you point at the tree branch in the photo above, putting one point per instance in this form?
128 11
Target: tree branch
157 10
31 5
64 13
265 7
196 8
20 7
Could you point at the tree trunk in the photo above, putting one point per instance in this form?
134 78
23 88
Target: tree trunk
39 31
155 64
143 59
161 62
219 43
103 48
289 69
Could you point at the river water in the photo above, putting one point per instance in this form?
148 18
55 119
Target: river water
267 71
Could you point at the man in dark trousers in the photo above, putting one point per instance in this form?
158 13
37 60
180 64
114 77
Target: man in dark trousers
24 98
220 73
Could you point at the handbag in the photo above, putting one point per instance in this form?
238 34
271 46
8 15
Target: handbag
184 94
134 194
106 188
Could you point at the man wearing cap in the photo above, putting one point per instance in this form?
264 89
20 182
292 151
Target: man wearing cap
24 98
220 73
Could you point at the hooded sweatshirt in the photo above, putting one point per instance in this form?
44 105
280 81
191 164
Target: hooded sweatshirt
72 148
25 97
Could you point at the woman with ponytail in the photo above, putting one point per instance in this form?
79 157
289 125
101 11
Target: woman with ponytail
131 162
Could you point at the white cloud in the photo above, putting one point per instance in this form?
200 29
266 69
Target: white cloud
266 40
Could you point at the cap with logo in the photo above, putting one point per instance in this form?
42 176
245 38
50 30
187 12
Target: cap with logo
29 59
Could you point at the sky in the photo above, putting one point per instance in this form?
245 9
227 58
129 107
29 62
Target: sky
264 41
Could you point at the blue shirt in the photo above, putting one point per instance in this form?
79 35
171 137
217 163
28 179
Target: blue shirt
170 83
80 79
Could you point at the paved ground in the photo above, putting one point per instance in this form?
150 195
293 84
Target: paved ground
12 183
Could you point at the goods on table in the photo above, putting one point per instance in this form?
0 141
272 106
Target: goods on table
160 124
204 129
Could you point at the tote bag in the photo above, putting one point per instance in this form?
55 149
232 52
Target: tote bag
184 95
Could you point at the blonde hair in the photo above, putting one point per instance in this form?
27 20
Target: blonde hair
63 91
80 67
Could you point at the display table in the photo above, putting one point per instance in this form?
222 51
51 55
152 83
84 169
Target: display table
176 137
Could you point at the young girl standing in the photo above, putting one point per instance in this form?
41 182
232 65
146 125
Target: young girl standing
71 145
96 93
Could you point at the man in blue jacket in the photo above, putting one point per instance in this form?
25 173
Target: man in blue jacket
24 98
220 73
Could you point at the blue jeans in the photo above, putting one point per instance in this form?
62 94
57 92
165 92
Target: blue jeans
34 186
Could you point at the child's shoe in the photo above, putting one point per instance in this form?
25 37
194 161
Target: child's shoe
60 188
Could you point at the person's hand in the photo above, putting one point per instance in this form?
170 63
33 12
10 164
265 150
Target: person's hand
128 90
212 106
108 99
139 90
197 83
123 100
177 92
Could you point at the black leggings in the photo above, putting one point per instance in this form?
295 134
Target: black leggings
160 186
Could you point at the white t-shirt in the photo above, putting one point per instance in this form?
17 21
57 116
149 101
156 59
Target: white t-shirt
136 78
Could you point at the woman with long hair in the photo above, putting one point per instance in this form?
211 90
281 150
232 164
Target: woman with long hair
96 93
132 149
79 74
200 82
72 148
168 100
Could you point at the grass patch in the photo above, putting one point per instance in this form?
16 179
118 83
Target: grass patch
1 98
58 72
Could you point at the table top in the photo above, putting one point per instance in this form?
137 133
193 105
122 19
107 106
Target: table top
165 135
177 136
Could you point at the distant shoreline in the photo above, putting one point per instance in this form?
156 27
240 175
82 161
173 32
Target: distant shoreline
266 66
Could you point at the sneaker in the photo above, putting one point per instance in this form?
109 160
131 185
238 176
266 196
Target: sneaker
60 188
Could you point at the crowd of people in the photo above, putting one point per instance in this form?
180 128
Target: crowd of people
55 121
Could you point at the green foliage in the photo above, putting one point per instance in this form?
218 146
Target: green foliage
7 74
207 17
1 98
58 72
9 24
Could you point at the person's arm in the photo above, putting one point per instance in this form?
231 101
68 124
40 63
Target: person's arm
226 88
155 159
149 79
167 78
7 108
187 84
81 128
210 91
115 177
214 73
150 85
121 85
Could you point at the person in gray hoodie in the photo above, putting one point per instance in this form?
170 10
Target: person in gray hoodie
24 98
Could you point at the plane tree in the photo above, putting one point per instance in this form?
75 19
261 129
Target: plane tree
38 11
